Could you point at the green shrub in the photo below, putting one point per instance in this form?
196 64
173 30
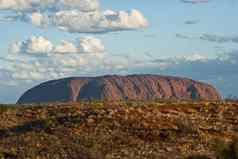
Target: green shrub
2 156
7 155
225 150
186 126
198 157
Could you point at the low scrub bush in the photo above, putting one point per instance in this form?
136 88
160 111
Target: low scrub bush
226 150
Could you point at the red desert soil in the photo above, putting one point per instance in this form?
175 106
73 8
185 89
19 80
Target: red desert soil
113 130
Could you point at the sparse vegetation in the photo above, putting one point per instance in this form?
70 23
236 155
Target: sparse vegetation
226 150
111 130
198 157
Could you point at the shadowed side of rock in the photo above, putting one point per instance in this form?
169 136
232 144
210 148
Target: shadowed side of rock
58 90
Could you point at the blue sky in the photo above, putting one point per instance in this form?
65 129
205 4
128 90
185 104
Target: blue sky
166 18
208 30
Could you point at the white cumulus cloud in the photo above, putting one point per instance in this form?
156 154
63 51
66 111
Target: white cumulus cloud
83 5
90 45
74 16
75 21
38 19
48 5
41 45
117 20
65 47
33 45
18 5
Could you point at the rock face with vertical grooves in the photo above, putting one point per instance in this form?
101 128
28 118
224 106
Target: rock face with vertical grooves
141 87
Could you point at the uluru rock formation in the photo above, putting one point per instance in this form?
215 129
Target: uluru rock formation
141 87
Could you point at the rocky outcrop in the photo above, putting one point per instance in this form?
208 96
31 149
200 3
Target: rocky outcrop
141 87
